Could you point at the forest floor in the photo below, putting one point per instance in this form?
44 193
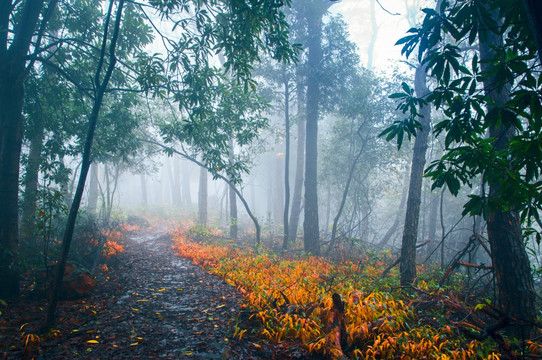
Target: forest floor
151 304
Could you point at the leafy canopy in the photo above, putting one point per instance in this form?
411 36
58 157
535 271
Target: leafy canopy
447 43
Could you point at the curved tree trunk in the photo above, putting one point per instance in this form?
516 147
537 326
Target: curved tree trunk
101 87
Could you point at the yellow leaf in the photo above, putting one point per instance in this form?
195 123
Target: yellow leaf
134 344
92 342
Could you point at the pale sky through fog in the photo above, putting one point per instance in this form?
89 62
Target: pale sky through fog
390 28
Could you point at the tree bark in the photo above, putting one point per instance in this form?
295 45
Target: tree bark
233 200
286 159
278 193
28 218
93 189
510 261
12 74
314 13
300 161
410 231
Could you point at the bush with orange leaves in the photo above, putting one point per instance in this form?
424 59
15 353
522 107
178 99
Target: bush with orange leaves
112 246
291 297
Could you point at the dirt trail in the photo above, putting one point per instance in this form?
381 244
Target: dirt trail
151 304
158 305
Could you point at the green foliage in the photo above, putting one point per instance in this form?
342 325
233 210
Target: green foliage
229 112
446 44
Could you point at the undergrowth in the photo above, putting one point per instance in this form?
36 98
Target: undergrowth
290 297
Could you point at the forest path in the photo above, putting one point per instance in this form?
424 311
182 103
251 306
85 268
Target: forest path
153 305
150 304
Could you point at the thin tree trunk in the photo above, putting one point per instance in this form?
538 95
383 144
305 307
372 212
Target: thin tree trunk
93 188
300 160
107 193
28 220
233 199
278 193
101 86
286 159
410 232
202 196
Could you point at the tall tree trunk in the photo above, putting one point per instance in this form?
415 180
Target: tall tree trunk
410 232
107 196
101 87
510 261
278 192
286 158
28 219
233 198
93 188
202 197
300 160
12 74
314 13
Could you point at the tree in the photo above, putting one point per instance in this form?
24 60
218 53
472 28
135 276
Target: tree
313 12
491 129
268 31
101 79
14 67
